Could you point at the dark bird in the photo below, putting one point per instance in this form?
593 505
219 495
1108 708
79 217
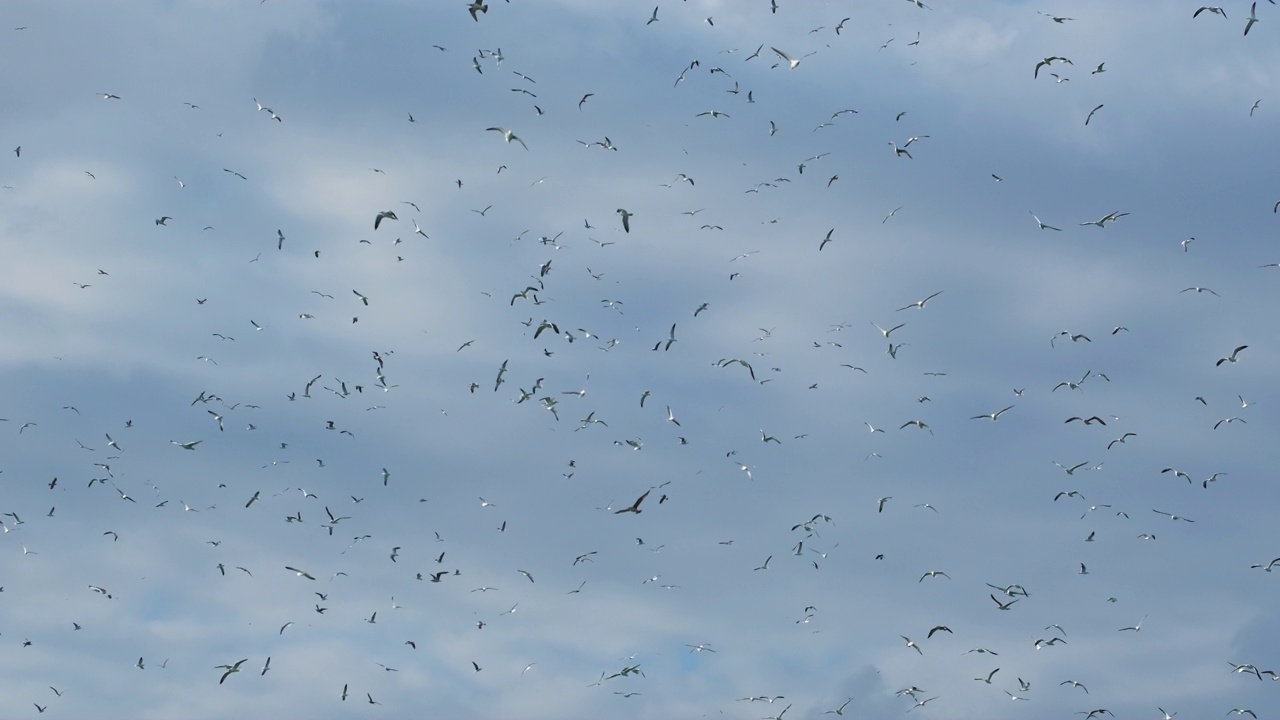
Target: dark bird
635 506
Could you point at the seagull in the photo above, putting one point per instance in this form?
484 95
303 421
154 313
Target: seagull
826 240
1253 18
654 17
1049 61
1003 606
912 644
916 423
886 333
918 303
231 669
1042 225
930 574
1267 567
793 62
1091 112
1214 10
1121 439
990 675
299 573
1200 290
1110 217
508 136
1232 357
993 416
626 219
921 703
1171 516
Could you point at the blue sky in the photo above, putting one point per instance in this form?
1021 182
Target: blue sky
791 574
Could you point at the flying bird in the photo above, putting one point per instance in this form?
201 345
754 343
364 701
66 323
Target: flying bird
1232 358
1042 225
993 416
233 669
508 136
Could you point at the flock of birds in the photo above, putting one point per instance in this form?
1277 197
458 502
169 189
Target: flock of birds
673 454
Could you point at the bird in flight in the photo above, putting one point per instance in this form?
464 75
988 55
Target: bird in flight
792 62
919 303
1042 225
1232 358
233 669
508 136
993 416
1214 10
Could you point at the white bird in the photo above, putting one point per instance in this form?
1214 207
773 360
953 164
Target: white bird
508 135
993 416
1042 225
1253 18
1109 217
793 62
300 573
231 669
1200 290
1232 357
886 333
919 303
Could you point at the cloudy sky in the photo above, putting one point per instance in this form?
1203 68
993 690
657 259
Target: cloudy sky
228 370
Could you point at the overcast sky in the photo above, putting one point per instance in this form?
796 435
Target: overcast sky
228 370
